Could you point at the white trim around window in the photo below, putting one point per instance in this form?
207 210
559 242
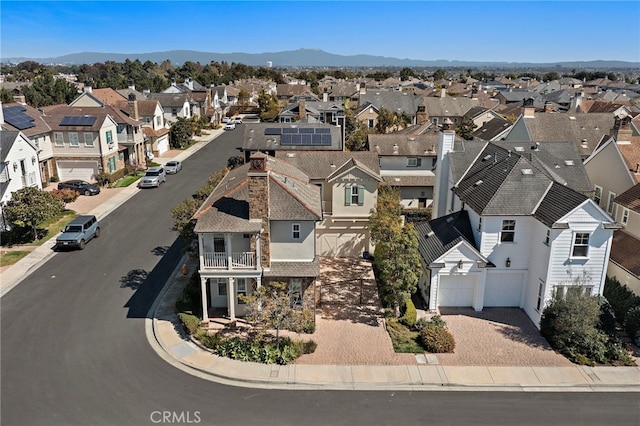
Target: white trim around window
58 138
580 245
295 231
73 139
625 216
508 232
597 194
612 196
88 139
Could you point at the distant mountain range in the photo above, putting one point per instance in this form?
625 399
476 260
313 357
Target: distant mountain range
306 58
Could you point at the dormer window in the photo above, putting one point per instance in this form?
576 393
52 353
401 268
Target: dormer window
414 162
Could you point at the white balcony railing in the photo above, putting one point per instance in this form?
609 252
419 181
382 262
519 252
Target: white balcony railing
238 260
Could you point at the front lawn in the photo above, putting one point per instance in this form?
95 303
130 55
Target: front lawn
128 180
403 338
46 230
11 257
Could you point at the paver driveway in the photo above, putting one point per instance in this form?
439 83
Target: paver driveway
497 337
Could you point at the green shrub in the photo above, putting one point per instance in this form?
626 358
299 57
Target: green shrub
437 339
190 322
607 322
632 322
420 324
410 314
190 300
266 352
621 298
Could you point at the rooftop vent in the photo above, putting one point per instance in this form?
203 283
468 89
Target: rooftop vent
519 149
478 183
569 163
291 155
527 171
487 157
571 117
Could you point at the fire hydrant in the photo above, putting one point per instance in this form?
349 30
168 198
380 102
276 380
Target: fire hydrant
185 269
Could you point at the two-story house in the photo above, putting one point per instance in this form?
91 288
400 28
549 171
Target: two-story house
19 166
348 184
509 228
408 162
84 142
28 120
624 262
174 105
258 225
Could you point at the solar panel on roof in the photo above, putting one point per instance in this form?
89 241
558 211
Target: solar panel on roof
295 140
306 130
17 117
326 139
305 139
323 130
289 130
316 140
73 120
273 131
285 140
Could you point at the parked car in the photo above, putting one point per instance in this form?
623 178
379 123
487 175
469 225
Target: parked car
80 186
172 167
154 176
78 232
230 126
237 120
226 119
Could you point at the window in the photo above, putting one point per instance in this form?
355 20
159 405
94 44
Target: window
147 120
174 111
58 139
414 162
548 237
222 287
295 291
434 120
88 139
37 142
540 295
109 136
371 123
575 288
508 233
353 195
241 289
597 194
218 245
480 225
580 244
295 231
625 216
73 139
112 164
612 196
158 121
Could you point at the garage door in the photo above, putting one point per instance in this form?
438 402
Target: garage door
341 245
456 290
503 290
83 170
163 145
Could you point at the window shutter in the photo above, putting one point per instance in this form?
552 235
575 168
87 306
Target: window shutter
360 195
419 162
347 194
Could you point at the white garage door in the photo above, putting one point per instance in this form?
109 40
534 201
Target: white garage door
83 170
341 245
503 290
456 290
163 145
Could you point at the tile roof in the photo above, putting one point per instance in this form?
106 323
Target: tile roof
631 154
492 128
56 113
624 251
108 96
438 236
557 202
630 199
294 269
409 180
146 107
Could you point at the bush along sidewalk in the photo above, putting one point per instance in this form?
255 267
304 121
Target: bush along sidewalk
625 305
249 345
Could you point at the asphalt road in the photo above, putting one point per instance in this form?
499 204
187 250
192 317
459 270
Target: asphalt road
74 350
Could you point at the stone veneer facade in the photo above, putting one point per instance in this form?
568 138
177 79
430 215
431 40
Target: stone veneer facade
259 203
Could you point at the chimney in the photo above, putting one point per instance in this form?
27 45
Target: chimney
302 110
363 88
443 92
20 99
441 187
132 85
548 107
529 112
133 107
87 87
325 96
622 129
259 203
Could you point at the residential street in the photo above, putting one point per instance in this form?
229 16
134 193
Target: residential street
74 350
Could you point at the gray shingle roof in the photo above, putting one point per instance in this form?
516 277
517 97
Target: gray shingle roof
41 127
438 236
170 100
393 101
409 180
557 202
294 269
7 138
448 106
319 165
291 197
492 128
402 144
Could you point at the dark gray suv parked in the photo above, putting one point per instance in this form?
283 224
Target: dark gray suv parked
78 232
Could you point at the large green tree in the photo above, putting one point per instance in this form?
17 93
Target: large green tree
466 127
30 206
180 133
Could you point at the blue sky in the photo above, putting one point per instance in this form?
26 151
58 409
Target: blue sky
513 31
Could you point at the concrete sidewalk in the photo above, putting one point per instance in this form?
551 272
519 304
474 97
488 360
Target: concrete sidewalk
167 337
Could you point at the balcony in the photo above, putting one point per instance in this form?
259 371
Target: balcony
239 260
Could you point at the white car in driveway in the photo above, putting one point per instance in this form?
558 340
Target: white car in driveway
172 167
230 126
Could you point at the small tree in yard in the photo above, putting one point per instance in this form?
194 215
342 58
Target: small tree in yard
180 133
271 308
30 206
